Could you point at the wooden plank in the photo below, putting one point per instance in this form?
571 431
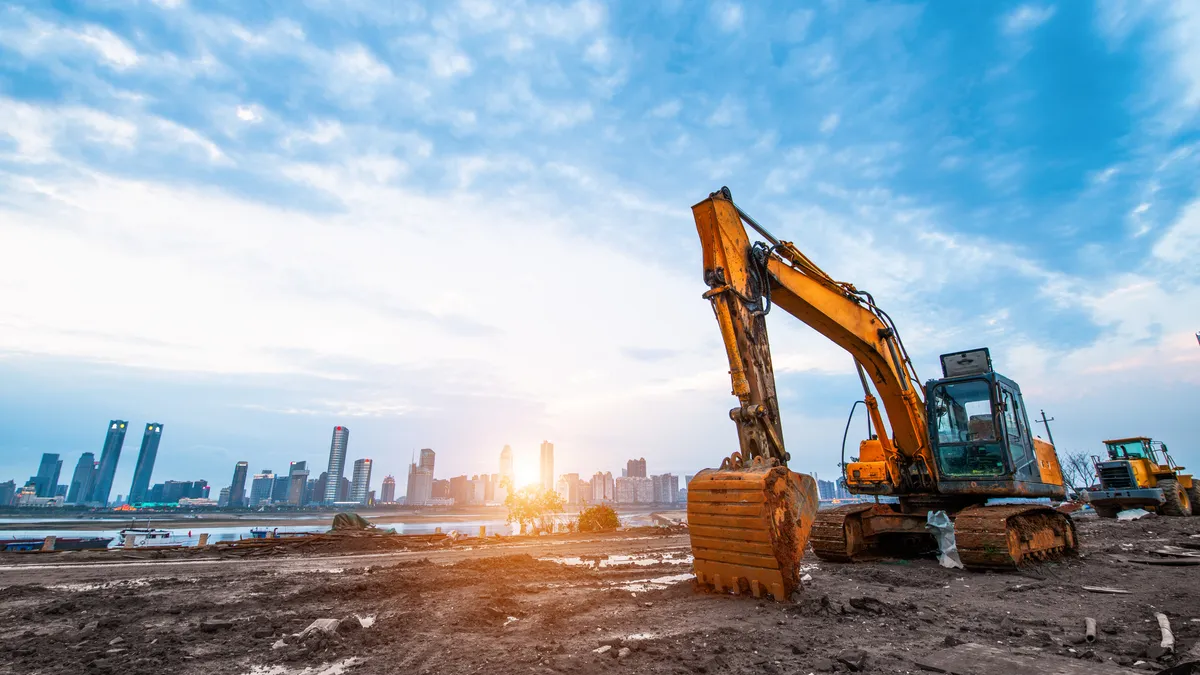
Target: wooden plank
976 659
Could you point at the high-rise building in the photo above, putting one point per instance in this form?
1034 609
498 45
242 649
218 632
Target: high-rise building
439 489
547 465
145 462
500 487
237 489
47 475
634 490
666 488
261 487
460 490
343 490
388 492
297 483
568 487
636 468
337 463
8 493
362 481
427 457
603 488
114 440
80 487
506 464
223 499
280 488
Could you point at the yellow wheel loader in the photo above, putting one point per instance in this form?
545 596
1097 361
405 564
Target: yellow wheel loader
1139 472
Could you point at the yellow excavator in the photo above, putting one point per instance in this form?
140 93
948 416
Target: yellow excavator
954 443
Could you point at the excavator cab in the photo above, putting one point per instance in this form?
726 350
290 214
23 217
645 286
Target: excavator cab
981 436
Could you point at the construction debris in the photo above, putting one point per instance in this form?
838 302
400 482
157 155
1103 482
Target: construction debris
1089 630
1168 638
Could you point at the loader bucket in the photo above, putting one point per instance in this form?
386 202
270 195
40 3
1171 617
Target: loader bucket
749 528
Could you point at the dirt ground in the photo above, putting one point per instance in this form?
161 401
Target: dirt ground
507 609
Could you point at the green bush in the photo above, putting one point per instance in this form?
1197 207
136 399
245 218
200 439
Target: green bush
598 518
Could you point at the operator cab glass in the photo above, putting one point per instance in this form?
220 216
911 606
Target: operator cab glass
966 428
1133 448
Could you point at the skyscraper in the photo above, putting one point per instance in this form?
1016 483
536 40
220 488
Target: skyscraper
547 465
145 462
47 475
261 486
636 468
114 440
298 482
506 464
362 481
427 457
237 488
82 480
337 463
420 485
388 493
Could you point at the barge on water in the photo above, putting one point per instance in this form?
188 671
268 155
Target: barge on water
60 544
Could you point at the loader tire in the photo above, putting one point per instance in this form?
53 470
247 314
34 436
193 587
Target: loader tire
1193 494
1177 502
1107 510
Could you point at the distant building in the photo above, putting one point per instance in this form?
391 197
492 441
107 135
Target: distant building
298 484
82 480
547 465
439 489
634 490
603 488
237 489
223 498
260 487
506 463
568 487
60 491
343 494
114 439
189 502
27 497
420 485
387 493
316 488
460 490
47 475
666 488
280 488
145 462
477 492
172 491
337 463
500 487
361 487
8 493
427 457
636 468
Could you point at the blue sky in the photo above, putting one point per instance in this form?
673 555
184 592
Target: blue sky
466 224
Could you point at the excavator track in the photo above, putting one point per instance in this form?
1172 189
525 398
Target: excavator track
837 534
1009 536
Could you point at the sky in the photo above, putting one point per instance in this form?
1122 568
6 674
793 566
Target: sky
460 225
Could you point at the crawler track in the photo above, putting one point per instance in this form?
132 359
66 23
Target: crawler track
1005 537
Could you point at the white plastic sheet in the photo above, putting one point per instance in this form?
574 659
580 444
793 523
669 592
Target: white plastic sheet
938 523
1132 514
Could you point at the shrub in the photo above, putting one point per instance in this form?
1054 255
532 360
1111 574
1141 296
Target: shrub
598 518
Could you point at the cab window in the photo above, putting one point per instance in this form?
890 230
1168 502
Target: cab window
1133 449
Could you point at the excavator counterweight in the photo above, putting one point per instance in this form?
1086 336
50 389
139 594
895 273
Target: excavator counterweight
954 443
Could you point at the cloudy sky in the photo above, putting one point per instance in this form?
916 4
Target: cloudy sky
465 224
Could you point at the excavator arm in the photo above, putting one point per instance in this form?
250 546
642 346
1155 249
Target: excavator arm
745 280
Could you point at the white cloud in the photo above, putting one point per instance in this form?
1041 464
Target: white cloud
728 112
728 15
447 61
1181 242
666 109
598 53
249 113
1026 18
830 123
34 37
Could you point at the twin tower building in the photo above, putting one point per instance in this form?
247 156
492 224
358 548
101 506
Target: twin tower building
92 481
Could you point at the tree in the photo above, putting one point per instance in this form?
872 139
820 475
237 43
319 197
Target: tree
598 518
532 506
1077 469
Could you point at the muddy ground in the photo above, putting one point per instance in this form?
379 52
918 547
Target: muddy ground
505 609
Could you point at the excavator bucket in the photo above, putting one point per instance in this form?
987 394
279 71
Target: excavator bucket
749 528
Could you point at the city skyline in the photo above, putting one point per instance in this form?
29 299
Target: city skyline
268 484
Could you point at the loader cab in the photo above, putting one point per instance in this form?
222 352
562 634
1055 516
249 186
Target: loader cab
979 430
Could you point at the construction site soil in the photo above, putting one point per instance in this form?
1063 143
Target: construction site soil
556 605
